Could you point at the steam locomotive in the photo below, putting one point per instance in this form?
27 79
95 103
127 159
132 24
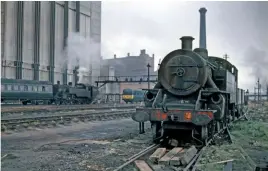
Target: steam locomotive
35 92
196 93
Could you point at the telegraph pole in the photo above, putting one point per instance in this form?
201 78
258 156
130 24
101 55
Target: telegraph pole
258 93
258 84
255 94
225 57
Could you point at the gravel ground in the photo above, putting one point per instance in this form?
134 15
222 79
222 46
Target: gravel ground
94 146
104 145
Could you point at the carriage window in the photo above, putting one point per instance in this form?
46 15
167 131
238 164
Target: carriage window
21 88
25 88
9 87
30 88
16 87
43 88
232 69
3 87
33 89
49 88
12 87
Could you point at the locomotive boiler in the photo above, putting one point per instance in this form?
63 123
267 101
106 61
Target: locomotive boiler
196 94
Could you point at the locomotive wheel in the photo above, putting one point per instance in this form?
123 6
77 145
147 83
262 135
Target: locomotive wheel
156 131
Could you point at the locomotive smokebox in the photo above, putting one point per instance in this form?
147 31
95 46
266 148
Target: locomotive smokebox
187 42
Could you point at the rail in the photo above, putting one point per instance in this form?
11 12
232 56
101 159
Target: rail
14 122
54 108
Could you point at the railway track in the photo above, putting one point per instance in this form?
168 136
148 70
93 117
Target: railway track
190 165
12 123
53 108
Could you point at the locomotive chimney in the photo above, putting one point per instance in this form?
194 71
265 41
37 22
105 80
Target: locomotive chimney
58 82
202 52
187 42
203 41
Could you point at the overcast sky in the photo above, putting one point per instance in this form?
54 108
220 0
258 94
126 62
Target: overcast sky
239 29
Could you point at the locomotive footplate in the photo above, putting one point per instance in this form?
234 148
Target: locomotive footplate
197 117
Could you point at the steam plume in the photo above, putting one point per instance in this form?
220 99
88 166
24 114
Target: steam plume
257 61
82 52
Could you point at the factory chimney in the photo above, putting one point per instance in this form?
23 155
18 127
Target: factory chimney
203 41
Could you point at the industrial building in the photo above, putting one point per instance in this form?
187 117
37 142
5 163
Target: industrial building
131 65
34 38
128 67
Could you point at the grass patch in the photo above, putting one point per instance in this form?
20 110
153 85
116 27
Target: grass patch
250 133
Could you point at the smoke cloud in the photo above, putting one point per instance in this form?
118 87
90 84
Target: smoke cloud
82 52
257 61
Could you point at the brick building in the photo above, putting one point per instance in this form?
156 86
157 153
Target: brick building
129 65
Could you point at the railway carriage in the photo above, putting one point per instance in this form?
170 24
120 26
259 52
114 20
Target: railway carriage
34 92
26 90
